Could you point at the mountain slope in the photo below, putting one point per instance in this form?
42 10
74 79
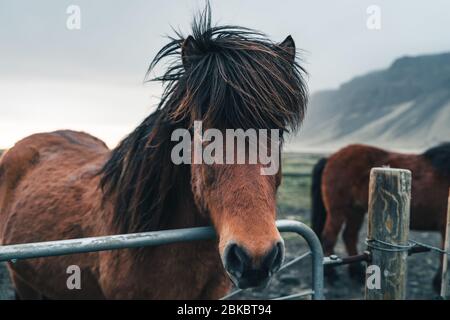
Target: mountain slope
406 106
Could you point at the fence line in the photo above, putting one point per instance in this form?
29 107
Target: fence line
387 243
93 244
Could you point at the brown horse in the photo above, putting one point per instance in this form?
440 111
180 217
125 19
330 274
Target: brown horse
67 184
340 192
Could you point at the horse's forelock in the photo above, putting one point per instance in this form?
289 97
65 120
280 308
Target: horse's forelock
231 76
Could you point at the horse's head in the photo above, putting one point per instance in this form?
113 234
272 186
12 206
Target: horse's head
227 78
234 78
241 203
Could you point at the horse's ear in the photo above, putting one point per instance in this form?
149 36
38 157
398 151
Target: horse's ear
288 45
188 51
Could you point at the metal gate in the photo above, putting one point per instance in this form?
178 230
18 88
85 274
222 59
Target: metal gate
134 240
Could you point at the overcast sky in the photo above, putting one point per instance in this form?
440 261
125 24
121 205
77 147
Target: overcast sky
91 79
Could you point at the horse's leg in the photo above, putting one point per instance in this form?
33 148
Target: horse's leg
350 236
22 290
333 225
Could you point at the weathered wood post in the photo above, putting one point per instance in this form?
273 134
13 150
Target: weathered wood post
389 206
445 272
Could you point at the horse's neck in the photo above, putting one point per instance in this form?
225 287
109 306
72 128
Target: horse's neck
183 213
146 264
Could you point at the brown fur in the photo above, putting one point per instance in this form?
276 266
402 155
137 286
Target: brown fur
50 192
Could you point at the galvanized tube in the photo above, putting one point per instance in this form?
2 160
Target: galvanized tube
122 241
316 249
156 238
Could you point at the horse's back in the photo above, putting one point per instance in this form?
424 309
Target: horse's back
346 179
359 154
48 191
42 167
346 174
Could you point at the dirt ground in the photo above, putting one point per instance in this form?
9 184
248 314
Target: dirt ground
421 269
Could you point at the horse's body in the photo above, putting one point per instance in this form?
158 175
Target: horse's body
66 184
50 192
341 182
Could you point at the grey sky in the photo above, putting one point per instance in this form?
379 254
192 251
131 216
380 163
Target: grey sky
91 79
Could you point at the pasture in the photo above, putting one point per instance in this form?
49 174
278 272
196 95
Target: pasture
294 203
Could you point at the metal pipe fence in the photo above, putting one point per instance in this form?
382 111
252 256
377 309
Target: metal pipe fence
64 247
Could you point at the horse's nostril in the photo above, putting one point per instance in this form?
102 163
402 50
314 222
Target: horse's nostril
252 271
273 259
236 259
238 262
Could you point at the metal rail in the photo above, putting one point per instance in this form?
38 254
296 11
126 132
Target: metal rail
156 238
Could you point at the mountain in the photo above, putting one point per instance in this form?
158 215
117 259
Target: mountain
406 106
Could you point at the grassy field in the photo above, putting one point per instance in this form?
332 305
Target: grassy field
294 193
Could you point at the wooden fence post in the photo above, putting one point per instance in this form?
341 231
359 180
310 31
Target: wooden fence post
445 275
389 207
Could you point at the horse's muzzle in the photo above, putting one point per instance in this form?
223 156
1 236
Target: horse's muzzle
245 272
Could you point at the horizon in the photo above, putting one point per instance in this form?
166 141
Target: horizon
91 79
119 132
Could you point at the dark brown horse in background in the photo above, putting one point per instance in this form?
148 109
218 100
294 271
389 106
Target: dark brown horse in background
340 192
67 184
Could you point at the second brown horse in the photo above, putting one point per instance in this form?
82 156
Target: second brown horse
340 192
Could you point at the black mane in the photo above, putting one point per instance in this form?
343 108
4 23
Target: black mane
232 77
439 156
235 77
